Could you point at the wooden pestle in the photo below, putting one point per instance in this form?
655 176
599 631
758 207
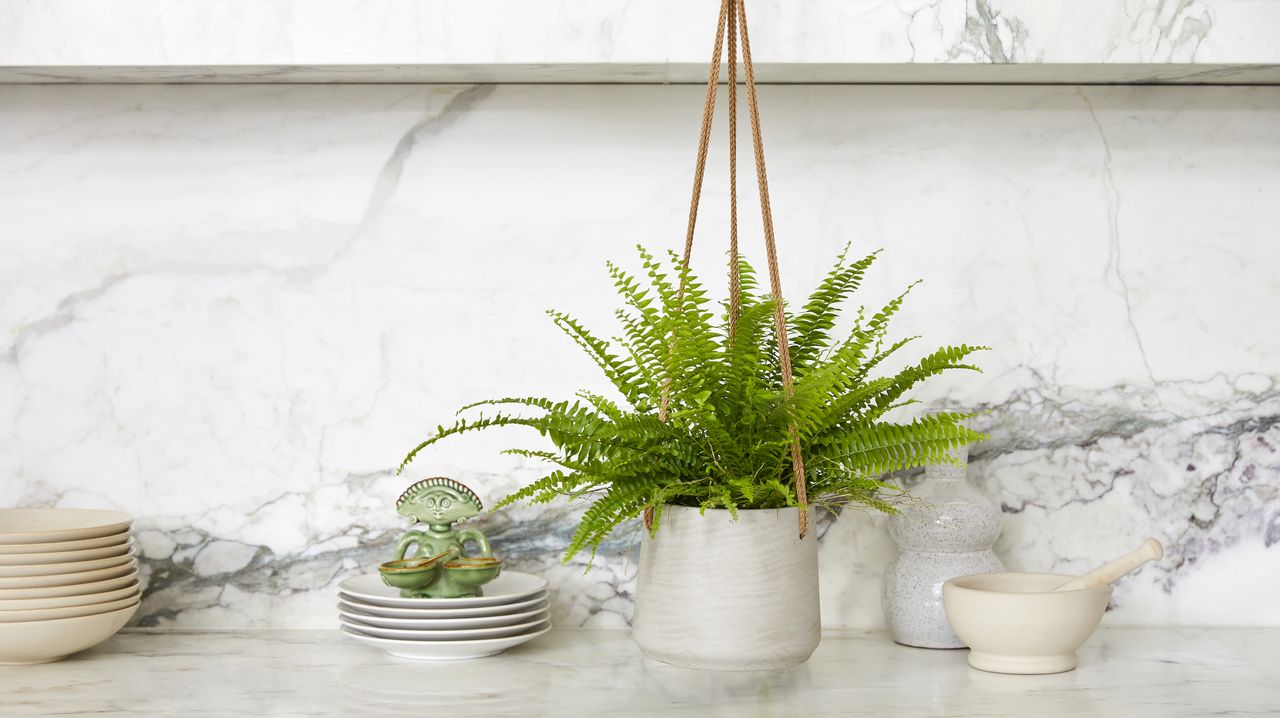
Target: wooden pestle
1109 572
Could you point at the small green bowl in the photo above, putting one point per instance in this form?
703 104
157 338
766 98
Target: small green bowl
410 573
473 572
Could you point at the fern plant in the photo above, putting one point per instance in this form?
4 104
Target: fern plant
726 441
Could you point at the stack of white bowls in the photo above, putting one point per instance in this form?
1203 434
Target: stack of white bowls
68 581
513 610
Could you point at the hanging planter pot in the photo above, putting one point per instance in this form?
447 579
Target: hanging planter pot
719 593
719 430
719 589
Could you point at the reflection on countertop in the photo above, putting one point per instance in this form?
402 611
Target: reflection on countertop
1123 672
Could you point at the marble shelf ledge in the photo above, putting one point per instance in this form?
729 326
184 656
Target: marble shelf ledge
654 73
647 41
1123 672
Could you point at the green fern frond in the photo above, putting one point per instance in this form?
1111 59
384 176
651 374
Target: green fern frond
810 329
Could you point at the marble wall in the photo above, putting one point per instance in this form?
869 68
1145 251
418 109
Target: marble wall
230 310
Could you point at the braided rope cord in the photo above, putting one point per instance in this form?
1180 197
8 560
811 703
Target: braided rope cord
732 24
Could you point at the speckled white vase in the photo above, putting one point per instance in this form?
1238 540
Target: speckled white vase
728 595
946 531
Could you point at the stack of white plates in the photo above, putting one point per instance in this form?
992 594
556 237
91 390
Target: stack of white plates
68 581
514 609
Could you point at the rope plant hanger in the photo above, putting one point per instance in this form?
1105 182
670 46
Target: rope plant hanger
731 26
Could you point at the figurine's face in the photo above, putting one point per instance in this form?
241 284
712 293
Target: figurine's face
440 505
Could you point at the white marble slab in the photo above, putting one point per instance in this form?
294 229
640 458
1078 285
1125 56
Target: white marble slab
1163 673
635 41
231 310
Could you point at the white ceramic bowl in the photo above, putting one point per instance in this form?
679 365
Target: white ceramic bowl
54 569
67 579
58 557
1012 624
31 604
359 607
55 546
444 650
18 526
124 576
509 587
53 614
441 624
44 641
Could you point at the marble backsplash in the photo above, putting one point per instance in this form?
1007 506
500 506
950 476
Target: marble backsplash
230 310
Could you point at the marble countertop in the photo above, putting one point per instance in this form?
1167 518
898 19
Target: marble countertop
1123 672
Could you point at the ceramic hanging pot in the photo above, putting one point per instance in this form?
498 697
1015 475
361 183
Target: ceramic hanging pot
729 595
715 592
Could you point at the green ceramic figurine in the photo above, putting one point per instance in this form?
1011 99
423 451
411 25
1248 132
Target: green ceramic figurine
439 568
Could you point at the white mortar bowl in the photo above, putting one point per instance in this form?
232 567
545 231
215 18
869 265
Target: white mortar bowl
1012 624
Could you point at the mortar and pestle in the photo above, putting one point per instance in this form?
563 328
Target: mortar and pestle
1033 623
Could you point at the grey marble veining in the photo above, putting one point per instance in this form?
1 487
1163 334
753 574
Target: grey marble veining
1126 673
1203 477
230 311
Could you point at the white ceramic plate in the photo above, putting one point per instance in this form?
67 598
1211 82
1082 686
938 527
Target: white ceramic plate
47 525
508 587
31 604
68 579
443 650
53 614
75 589
436 624
44 641
359 608
88 554
53 569
457 634
55 546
